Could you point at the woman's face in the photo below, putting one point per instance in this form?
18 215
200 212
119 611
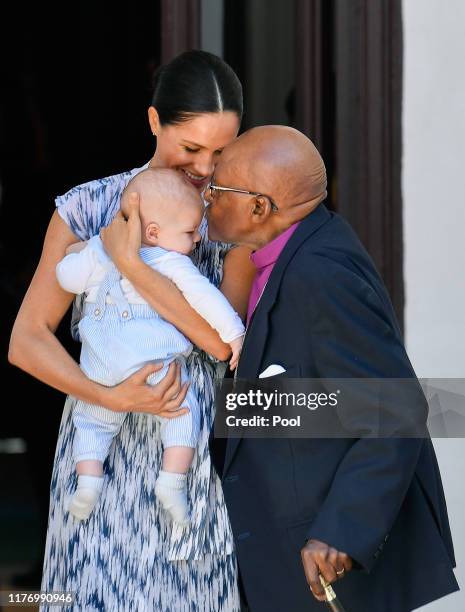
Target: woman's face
193 146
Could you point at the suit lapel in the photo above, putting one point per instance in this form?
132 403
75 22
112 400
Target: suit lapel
257 331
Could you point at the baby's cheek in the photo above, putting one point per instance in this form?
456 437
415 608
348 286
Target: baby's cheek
187 246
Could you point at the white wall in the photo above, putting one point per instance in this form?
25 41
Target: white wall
434 223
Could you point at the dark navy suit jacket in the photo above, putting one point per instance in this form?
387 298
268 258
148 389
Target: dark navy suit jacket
326 313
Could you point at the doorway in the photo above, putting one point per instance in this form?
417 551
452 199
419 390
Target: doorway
76 84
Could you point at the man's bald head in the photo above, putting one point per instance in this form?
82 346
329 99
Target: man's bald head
274 160
280 161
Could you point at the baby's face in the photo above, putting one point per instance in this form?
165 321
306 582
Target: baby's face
181 232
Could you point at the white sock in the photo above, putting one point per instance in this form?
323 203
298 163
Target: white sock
171 491
86 495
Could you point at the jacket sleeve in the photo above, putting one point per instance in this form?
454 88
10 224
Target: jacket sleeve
354 335
204 297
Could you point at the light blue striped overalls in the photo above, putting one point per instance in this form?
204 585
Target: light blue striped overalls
119 338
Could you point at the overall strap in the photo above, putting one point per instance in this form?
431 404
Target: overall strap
111 286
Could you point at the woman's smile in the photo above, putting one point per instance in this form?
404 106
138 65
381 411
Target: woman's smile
196 180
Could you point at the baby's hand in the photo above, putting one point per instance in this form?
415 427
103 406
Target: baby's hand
75 247
236 346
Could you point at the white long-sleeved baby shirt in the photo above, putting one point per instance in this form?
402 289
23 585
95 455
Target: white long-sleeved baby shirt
84 271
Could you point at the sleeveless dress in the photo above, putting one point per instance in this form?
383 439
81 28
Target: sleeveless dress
128 555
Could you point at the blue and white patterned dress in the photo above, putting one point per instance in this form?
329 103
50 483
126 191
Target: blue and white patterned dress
127 555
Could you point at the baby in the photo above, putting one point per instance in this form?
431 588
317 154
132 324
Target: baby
120 333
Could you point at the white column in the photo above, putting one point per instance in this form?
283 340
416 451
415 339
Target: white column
434 223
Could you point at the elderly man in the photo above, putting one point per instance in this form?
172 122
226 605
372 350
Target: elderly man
367 513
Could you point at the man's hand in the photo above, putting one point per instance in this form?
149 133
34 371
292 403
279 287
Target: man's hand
76 247
319 558
122 238
135 395
236 346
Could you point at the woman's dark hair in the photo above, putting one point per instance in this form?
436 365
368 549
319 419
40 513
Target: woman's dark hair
195 82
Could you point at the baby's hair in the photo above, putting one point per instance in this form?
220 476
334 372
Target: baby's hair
164 187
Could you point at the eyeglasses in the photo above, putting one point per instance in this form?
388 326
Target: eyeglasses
211 188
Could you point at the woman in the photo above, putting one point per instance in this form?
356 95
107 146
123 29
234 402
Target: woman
128 554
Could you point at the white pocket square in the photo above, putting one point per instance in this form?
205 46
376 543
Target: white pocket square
272 370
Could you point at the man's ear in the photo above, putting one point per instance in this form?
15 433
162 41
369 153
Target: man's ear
151 233
154 120
261 209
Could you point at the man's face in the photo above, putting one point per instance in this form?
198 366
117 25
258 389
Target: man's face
229 213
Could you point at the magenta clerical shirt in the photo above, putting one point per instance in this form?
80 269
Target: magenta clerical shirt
264 260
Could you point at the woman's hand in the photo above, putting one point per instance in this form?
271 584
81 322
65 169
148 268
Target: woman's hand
135 395
122 238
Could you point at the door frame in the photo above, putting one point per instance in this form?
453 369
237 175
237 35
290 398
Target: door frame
368 49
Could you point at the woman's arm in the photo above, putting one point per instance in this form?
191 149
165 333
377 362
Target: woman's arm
122 241
35 348
238 275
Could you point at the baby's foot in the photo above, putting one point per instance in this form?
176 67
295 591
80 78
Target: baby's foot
170 489
85 497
